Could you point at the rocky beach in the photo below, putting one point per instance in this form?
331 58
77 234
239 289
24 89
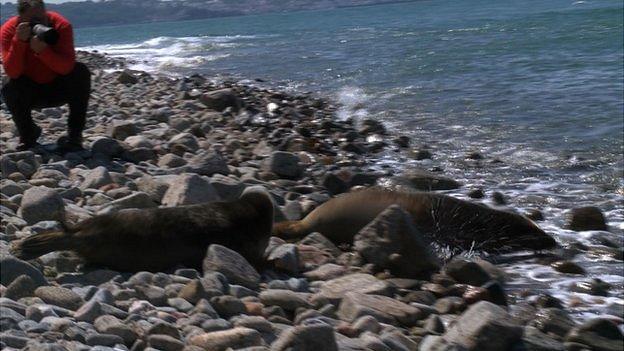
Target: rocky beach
155 140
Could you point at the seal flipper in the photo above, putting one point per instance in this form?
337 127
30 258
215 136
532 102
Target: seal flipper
41 244
289 230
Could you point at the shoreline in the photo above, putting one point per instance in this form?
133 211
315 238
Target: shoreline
146 129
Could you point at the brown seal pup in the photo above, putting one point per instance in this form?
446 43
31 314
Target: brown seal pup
450 222
162 238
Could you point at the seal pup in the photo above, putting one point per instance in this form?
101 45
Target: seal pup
158 239
447 221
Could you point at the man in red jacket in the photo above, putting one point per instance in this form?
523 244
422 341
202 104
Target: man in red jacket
43 74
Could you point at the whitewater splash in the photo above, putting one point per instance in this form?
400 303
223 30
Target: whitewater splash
174 54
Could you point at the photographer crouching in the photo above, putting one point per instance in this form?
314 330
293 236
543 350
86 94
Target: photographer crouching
39 58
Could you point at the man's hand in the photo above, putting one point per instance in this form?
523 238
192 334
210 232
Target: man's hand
23 31
37 45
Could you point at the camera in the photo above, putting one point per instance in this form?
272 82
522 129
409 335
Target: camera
46 34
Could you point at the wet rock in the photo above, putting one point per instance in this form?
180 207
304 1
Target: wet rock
597 334
553 321
284 164
335 289
231 264
595 287
476 194
41 204
534 215
307 338
425 181
467 272
568 267
127 77
219 100
586 218
189 189
535 340
384 309
236 338
392 242
484 327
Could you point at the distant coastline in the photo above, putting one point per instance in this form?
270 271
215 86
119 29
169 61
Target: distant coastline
119 12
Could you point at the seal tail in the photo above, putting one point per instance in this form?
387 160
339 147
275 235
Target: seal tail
41 244
289 230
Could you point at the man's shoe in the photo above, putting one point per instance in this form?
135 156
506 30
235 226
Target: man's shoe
30 142
66 144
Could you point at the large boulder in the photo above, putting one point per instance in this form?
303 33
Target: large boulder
189 189
42 204
232 265
485 327
391 241
219 100
466 272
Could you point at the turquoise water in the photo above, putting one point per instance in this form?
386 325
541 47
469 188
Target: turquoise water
536 84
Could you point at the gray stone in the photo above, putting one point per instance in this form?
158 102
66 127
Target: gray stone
120 130
165 343
284 164
535 340
231 264
219 100
11 268
391 241
58 296
88 312
228 188
307 338
466 272
228 306
112 325
171 161
107 146
95 339
187 140
385 309
220 340
335 289
23 286
485 327
155 188
42 204
286 299
96 179
208 164
136 200
189 189
285 258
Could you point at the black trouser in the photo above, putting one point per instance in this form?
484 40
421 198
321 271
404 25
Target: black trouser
21 95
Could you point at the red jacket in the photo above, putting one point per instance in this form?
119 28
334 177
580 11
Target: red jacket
18 59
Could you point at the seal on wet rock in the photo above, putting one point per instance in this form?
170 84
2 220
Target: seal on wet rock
160 238
448 221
